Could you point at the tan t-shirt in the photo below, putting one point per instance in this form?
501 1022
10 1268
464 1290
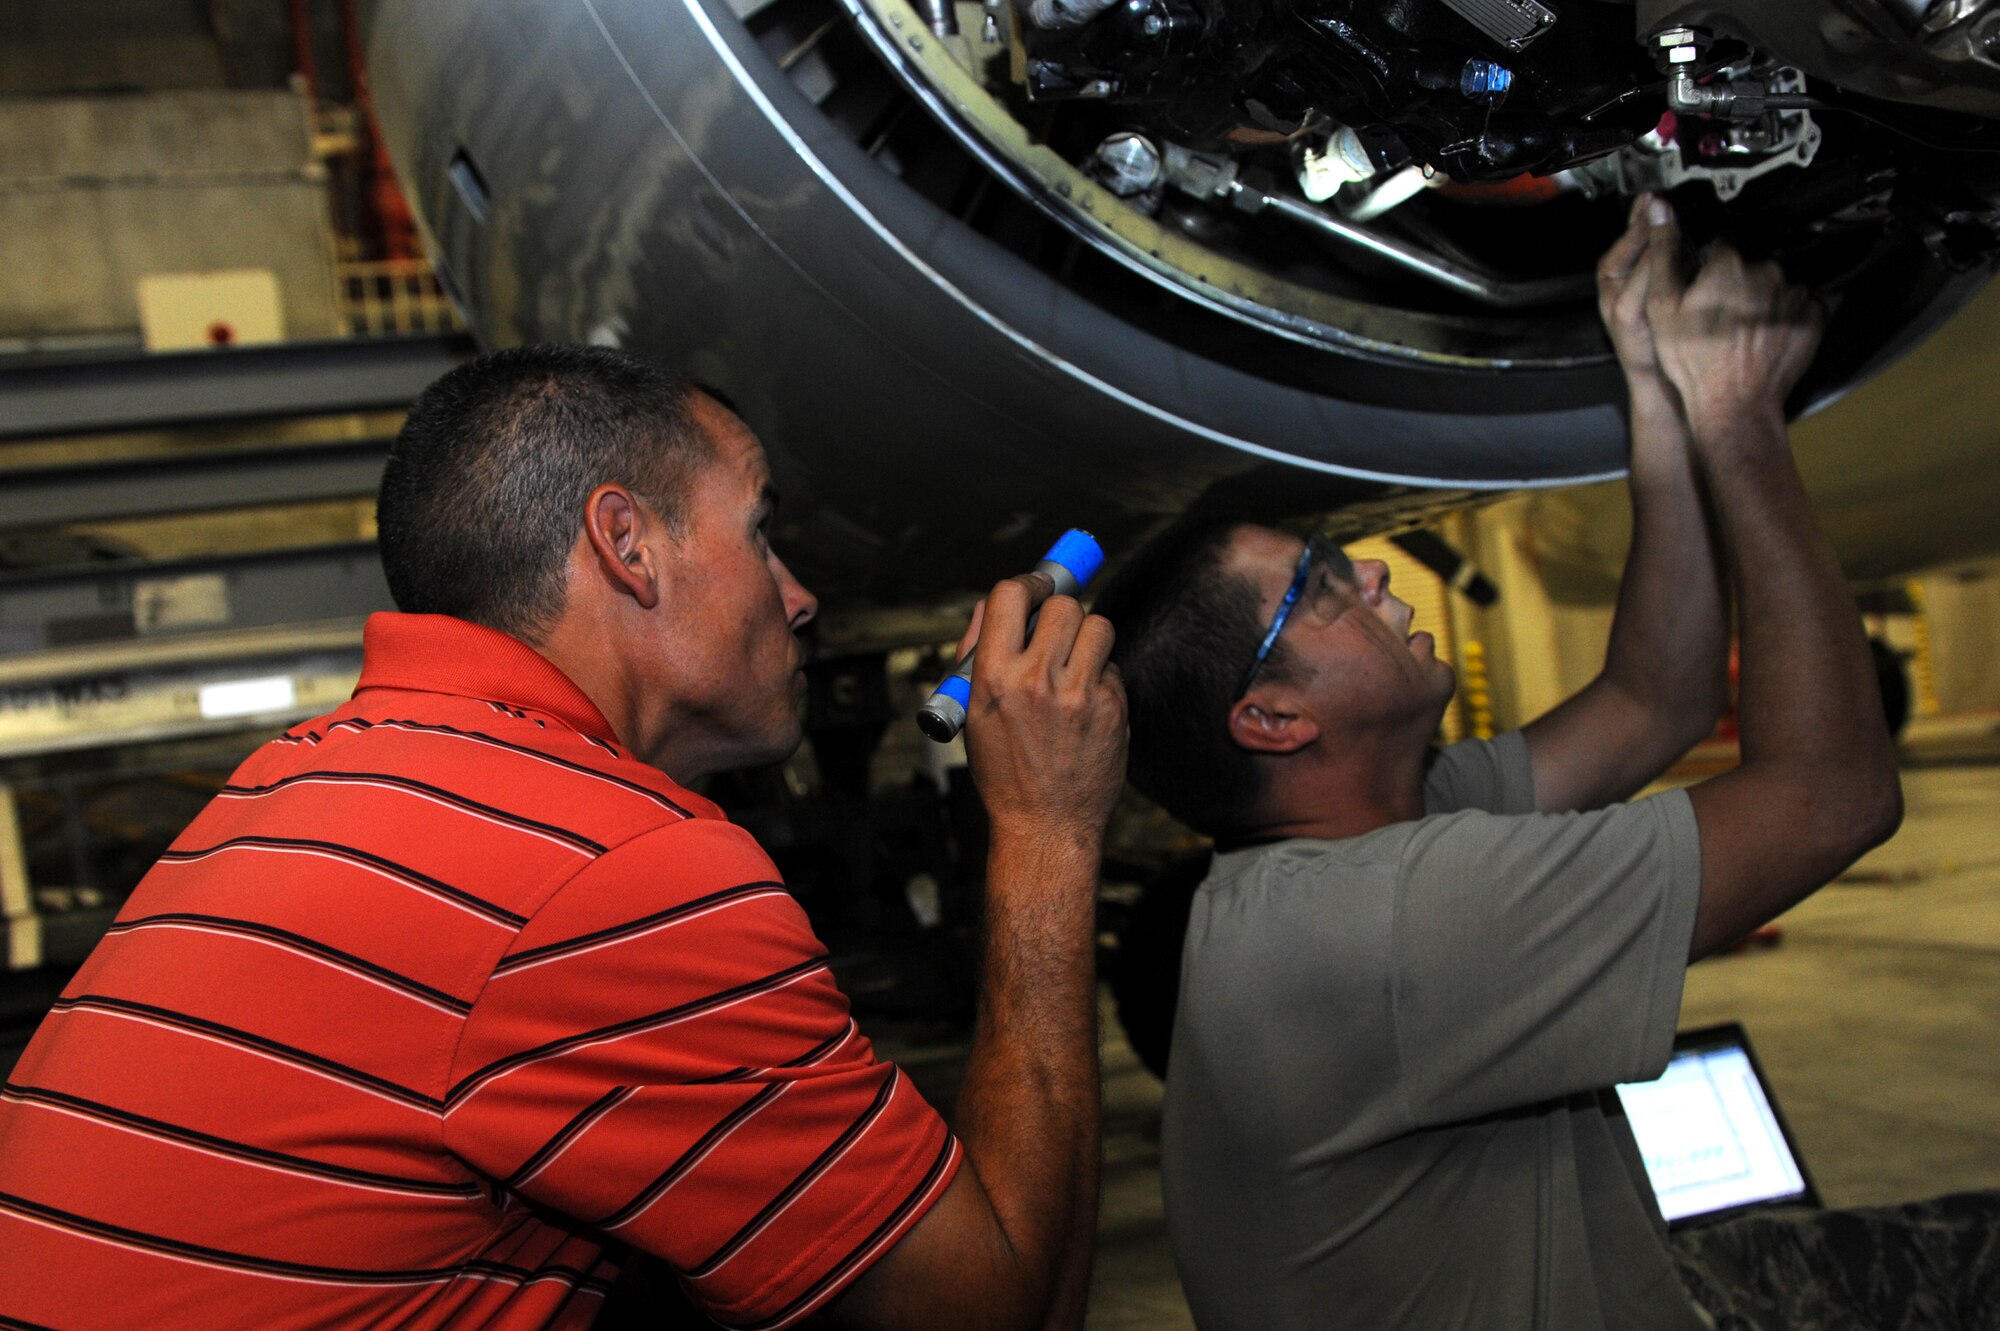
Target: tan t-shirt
1388 1101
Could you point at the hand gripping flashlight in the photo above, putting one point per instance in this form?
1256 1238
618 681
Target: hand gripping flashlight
1071 562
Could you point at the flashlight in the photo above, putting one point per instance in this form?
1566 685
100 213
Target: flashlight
1070 563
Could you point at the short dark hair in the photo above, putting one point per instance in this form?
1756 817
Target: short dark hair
483 494
1187 629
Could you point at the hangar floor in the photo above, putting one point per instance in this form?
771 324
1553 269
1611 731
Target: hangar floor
1877 1018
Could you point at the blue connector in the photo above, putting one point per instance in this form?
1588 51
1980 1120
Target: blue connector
1484 81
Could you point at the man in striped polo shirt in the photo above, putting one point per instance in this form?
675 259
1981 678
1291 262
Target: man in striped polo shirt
458 994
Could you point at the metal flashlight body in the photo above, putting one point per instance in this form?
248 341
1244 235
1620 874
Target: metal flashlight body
1070 563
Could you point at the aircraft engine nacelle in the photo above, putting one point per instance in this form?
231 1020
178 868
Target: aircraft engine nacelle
958 319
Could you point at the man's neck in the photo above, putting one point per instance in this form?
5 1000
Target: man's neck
579 649
1327 795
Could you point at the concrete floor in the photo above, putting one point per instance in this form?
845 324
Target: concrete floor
1876 1016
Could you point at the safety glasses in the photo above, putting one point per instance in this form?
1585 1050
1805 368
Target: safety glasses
1336 562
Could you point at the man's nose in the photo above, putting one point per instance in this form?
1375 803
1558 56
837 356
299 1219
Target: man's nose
800 604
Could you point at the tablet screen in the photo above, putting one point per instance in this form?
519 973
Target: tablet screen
1710 1137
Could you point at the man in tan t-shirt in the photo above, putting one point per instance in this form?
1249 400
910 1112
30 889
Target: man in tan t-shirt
1409 982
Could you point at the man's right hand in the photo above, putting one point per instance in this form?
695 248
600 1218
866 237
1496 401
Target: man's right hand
1735 340
1009 1243
1045 730
1817 760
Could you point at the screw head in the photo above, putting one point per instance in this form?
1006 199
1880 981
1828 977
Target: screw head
1128 164
1677 45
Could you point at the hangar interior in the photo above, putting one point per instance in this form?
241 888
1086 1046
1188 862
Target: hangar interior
215 305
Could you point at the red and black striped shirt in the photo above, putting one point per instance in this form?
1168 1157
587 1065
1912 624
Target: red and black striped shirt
444 992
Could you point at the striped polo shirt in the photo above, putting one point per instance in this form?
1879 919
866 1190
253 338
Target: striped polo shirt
442 1000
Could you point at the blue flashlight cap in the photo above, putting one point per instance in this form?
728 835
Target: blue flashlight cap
957 688
1079 552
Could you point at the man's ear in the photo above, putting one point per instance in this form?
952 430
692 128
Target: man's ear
622 537
1261 724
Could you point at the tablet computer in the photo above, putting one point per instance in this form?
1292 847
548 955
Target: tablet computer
1710 1132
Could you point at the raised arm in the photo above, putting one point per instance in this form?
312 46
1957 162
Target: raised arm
1009 1244
1817 785
1665 675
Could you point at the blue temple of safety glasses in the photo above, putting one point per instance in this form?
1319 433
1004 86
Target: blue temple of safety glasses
1278 620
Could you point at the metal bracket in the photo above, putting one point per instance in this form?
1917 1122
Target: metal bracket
1515 24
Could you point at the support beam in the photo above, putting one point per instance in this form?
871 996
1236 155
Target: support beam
123 602
154 486
42 396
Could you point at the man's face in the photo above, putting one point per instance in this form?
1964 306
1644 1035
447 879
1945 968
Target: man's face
1349 637
736 663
